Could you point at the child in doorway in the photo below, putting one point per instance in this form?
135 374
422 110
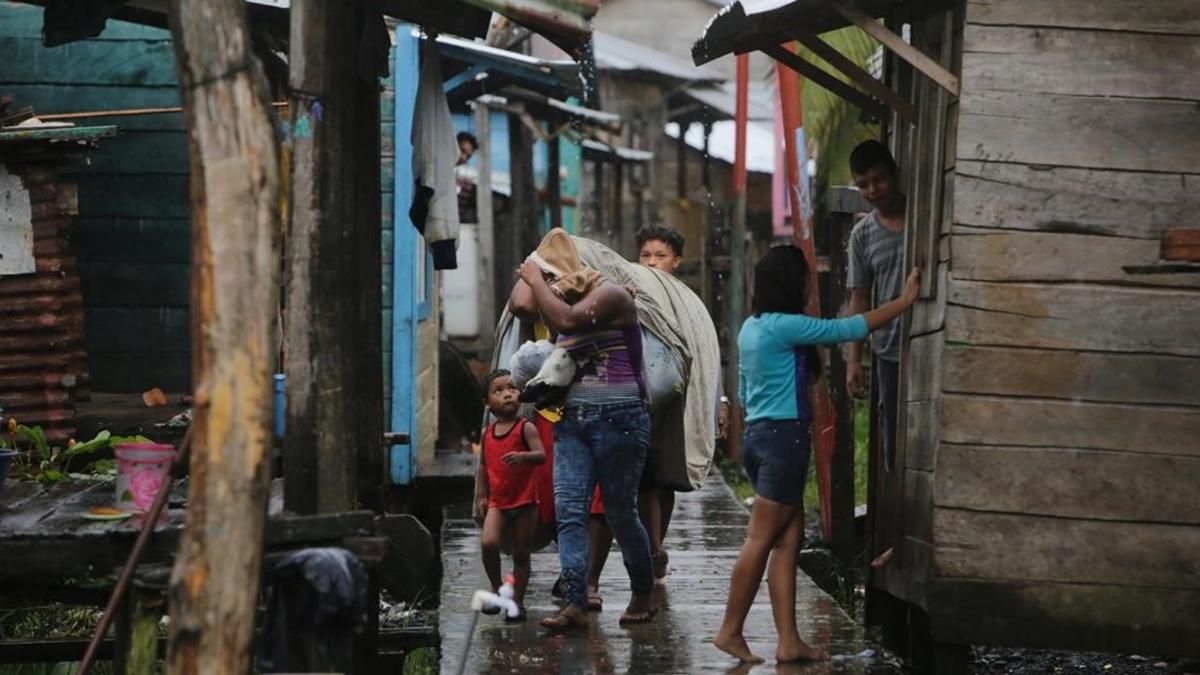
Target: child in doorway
505 490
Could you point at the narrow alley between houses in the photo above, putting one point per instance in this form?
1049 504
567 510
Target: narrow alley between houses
706 532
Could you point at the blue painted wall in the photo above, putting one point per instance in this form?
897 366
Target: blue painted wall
569 158
404 314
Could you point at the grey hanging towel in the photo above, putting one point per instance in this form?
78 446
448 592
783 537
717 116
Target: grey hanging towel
435 200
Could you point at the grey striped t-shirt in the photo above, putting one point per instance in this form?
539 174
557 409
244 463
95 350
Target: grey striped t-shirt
876 261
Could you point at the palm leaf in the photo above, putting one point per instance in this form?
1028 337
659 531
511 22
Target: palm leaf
829 120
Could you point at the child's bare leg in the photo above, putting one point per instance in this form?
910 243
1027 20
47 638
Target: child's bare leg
601 544
767 522
489 542
666 501
650 510
524 526
781 584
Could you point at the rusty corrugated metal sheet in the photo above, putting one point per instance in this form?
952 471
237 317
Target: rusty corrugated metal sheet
43 358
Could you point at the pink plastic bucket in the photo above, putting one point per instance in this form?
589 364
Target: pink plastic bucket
142 468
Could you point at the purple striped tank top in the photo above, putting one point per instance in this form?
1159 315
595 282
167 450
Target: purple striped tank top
608 365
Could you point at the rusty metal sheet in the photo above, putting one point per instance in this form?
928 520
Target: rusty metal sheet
42 349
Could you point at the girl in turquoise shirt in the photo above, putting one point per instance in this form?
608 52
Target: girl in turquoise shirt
777 358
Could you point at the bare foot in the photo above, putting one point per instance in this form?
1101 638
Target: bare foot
735 646
639 603
799 651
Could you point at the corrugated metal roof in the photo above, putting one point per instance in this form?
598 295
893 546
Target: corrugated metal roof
722 98
617 54
490 69
597 151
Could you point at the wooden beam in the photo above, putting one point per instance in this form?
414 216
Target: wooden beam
824 79
489 300
851 70
333 440
524 223
553 181
234 173
932 69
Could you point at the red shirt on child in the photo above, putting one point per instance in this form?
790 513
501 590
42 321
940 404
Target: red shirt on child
509 485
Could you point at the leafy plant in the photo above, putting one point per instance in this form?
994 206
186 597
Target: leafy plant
49 464
830 121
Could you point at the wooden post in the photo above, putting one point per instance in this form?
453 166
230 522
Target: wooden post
842 466
484 213
681 188
522 206
597 220
553 182
622 240
737 240
234 164
333 441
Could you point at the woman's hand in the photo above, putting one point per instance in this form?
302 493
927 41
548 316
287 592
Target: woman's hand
531 273
912 286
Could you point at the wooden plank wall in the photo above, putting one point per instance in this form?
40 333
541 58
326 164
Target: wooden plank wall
132 233
1066 458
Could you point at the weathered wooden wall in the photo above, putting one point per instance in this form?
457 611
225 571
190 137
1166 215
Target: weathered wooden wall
1065 510
132 232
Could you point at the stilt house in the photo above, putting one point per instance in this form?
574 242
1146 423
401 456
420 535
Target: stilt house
1045 490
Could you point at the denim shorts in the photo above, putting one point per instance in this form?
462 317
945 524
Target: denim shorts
775 454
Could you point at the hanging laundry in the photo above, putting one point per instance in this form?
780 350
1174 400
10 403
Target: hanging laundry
435 201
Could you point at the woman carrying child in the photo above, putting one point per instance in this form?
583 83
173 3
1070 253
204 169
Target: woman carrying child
505 489
777 359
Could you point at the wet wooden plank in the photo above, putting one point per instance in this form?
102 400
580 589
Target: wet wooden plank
705 535
1069 483
1073 316
1072 375
1013 547
1078 131
1130 619
1179 18
981 420
921 433
1085 201
1008 255
1081 62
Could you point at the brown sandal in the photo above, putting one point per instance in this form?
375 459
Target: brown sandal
595 603
562 622
633 618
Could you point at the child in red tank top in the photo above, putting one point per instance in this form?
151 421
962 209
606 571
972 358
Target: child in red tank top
505 486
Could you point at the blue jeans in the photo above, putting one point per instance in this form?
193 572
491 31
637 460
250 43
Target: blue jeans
606 444
775 454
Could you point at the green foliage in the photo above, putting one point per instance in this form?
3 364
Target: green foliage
49 464
421 661
862 455
831 121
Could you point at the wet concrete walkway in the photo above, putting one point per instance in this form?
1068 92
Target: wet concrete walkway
705 535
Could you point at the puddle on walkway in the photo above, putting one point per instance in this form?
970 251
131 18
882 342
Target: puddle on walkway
703 542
